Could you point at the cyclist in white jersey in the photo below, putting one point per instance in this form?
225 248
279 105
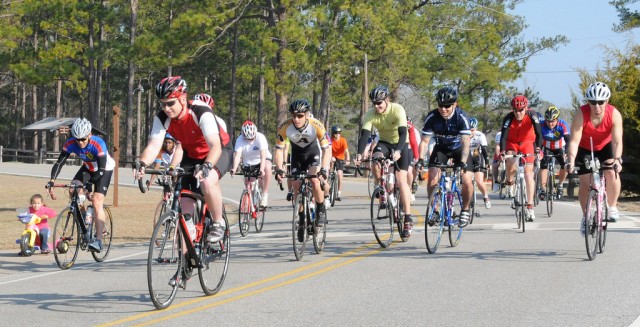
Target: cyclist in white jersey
253 148
480 157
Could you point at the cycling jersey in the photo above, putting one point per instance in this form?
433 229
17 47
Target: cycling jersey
447 132
339 148
555 138
89 154
311 135
496 155
517 132
478 140
601 135
189 129
251 149
387 122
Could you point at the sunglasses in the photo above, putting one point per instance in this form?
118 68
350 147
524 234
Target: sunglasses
377 103
518 110
167 104
299 116
336 133
446 106
81 140
594 102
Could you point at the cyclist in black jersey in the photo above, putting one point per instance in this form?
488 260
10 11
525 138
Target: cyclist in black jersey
449 126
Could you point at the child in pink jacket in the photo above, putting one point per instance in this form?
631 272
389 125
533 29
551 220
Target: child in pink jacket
41 210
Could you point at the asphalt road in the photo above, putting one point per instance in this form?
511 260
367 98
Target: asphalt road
497 276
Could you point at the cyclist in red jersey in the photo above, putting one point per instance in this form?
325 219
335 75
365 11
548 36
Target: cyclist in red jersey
601 122
521 133
198 145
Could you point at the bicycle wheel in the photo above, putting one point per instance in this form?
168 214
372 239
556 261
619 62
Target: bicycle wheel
434 222
333 189
259 221
107 236
550 189
215 260
455 232
381 219
523 198
503 190
25 248
161 208
398 217
319 237
370 183
602 238
244 213
165 261
299 226
591 234
66 235
472 205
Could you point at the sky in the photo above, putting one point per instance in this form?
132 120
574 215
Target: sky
589 26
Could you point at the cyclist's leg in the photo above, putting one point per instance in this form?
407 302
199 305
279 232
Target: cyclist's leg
265 181
605 155
99 193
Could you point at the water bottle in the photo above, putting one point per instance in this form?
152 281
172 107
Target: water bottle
390 182
81 198
447 181
88 217
392 199
191 227
312 210
197 248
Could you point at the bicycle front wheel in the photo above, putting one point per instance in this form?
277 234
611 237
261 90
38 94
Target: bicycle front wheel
161 208
215 260
550 189
299 226
503 190
66 235
398 217
455 232
244 213
474 201
319 237
165 261
434 222
381 218
370 186
602 239
259 221
333 190
592 234
107 236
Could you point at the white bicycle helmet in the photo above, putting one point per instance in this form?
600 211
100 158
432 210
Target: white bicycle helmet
598 91
81 128
249 130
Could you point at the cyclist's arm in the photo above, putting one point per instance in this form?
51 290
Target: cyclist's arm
237 155
504 134
177 156
616 134
55 170
402 138
213 141
263 160
278 158
465 139
150 152
102 164
424 146
485 154
347 157
362 143
537 129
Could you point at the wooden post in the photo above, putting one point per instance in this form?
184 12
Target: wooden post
116 152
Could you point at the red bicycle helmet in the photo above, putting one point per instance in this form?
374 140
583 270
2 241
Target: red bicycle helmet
519 102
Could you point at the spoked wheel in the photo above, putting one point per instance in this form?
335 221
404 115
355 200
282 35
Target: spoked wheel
165 261
25 248
398 217
472 206
434 222
592 234
550 197
333 190
107 236
299 226
161 208
215 261
66 235
244 213
370 183
381 219
319 237
602 238
521 197
259 221
455 232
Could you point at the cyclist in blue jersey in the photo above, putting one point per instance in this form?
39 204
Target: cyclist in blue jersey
555 137
450 127
96 169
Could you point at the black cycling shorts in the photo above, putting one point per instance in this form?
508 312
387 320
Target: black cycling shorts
604 154
304 159
557 153
102 186
387 149
441 154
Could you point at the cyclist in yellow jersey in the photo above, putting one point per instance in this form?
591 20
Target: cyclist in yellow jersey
390 120
310 150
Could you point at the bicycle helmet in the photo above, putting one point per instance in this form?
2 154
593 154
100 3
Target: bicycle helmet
379 93
519 102
168 136
81 128
552 113
446 96
206 99
249 130
171 87
299 106
473 123
336 129
598 91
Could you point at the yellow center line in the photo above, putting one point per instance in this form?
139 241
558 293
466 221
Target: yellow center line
246 286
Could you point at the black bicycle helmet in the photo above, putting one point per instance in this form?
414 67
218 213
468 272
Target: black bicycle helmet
299 106
379 93
336 129
446 96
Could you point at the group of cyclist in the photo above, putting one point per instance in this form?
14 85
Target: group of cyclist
187 133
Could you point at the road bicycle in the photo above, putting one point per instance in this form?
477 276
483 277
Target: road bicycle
520 197
596 219
304 223
333 184
502 179
74 231
249 207
551 182
164 204
443 210
175 251
386 207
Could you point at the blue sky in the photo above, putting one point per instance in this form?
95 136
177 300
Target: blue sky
589 26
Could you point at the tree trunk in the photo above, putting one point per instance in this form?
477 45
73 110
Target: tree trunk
232 103
34 108
131 82
261 96
23 115
56 139
324 97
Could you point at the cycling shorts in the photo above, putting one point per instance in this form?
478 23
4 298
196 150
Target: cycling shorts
102 186
387 149
604 154
557 153
304 159
339 164
522 147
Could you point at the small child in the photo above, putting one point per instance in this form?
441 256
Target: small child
41 210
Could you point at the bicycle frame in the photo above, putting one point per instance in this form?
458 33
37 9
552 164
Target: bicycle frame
449 183
443 198
78 213
596 231
521 188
